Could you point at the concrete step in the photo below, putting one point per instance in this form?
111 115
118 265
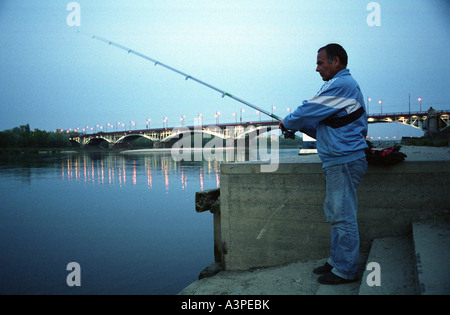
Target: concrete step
431 247
408 265
395 260
395 263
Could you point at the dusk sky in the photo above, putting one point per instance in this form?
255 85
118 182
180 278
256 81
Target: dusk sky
54 76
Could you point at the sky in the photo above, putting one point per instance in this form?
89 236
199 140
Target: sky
55 76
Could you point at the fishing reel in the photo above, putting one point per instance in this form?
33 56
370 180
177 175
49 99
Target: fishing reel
289 134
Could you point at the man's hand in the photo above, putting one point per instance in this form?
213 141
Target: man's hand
282 127
288 134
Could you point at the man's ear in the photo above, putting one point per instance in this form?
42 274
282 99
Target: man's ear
337 60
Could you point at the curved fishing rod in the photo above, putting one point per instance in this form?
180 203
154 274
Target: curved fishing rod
286 133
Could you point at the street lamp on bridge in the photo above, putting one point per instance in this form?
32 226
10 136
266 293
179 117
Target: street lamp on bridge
420 102
217 117
381 104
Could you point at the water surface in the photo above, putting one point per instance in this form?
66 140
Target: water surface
128 220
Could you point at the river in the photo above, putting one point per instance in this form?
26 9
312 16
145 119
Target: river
127 220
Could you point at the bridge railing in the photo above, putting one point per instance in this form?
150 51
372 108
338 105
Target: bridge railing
159 130
418 113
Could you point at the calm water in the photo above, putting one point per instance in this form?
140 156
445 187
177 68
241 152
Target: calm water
128 220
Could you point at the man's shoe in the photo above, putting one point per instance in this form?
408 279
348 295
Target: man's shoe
322 270
332 279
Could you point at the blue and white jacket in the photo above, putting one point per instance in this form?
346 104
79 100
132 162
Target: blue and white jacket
336 117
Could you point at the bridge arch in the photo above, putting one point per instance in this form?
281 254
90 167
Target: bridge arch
97 141
134 136
213 131
223 133
75 142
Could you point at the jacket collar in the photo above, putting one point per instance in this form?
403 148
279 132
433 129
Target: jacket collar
341 73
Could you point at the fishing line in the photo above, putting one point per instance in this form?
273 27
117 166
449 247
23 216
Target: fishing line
263 230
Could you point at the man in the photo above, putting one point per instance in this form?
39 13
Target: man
336 118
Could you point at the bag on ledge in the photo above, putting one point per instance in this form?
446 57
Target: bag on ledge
388 156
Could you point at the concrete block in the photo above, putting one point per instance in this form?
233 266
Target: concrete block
269 219
432 253
394 256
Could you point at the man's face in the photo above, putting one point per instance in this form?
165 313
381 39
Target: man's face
327 70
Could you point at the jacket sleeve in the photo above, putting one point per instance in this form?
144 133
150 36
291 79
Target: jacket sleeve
308 115
325 104
310 131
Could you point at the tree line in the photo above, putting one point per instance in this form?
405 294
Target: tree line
23 137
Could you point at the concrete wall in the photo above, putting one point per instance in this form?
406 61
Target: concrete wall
269 219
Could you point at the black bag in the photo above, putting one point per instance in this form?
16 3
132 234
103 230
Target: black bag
388 156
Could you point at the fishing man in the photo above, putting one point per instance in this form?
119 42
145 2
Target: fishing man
336 118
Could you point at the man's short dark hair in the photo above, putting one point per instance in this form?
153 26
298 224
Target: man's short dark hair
335 50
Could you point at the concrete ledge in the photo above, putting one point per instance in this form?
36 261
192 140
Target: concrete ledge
270 219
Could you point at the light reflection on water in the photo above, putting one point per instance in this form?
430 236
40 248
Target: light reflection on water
122 170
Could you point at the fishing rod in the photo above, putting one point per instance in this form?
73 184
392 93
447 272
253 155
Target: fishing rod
286 133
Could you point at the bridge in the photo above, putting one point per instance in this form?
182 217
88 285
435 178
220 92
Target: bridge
431 122
434 120
165 137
